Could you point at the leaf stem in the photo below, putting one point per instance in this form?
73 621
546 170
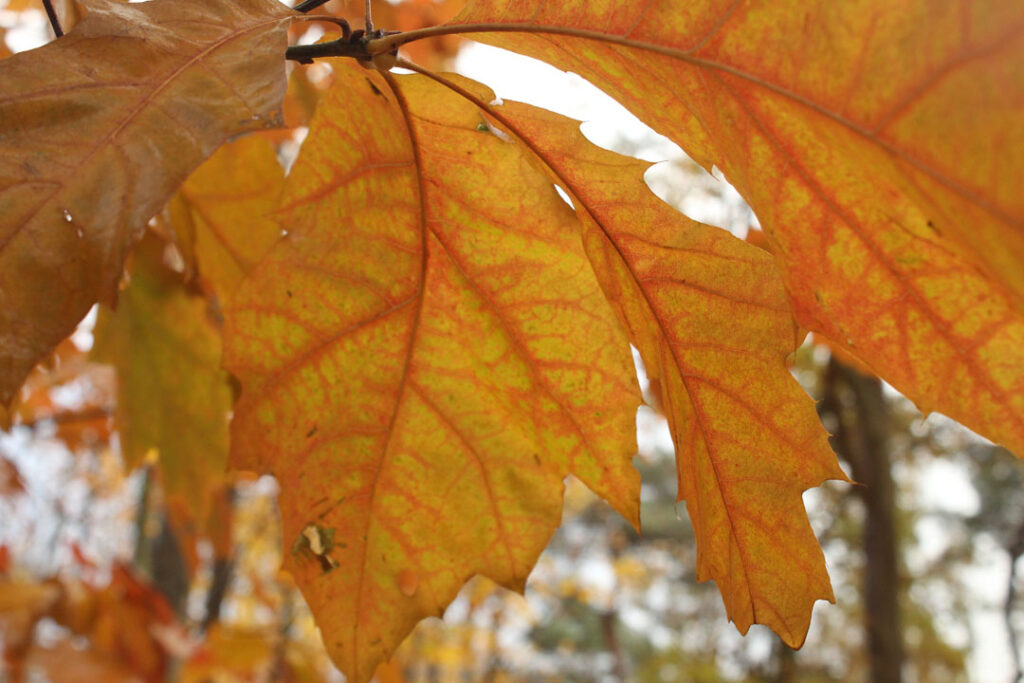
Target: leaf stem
351 44
308 5
369 18
51 14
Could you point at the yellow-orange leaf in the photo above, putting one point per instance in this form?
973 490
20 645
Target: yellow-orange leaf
711 320
221 215
98 130
424 357
880 144
172 394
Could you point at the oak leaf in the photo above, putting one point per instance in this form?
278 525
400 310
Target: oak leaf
710 318
424 357
99 128
880 147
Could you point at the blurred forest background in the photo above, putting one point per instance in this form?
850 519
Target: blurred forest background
104 577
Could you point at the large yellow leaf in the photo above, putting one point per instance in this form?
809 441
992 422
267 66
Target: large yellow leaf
712 322
881 145
172 393
424 357
221 215
97 130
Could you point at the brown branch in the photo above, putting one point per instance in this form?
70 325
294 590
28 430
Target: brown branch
353 44
223 572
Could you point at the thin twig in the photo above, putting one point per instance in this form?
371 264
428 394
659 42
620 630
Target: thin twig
308 5
369 19
350 44
52 16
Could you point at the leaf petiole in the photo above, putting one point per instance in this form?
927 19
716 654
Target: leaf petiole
308 5
353 44
51 14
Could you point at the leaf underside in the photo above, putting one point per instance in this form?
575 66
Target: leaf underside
424 358
880 146
99 129
710 317
426 355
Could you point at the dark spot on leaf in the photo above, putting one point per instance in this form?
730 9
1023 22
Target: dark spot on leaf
536 458
288 292
374 88
327 563
311 432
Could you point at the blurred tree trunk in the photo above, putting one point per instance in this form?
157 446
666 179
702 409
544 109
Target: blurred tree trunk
862 438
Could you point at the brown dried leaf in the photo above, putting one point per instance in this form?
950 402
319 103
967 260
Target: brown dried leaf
99 129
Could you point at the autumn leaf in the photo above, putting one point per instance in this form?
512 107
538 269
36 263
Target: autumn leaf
711 320
221 215
881 147
172 394
99 128
423 359
63 662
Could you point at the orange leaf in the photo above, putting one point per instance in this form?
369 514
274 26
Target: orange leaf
423 358
100 127
68 662
710 317
10 478
879 144
128 614
88 423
